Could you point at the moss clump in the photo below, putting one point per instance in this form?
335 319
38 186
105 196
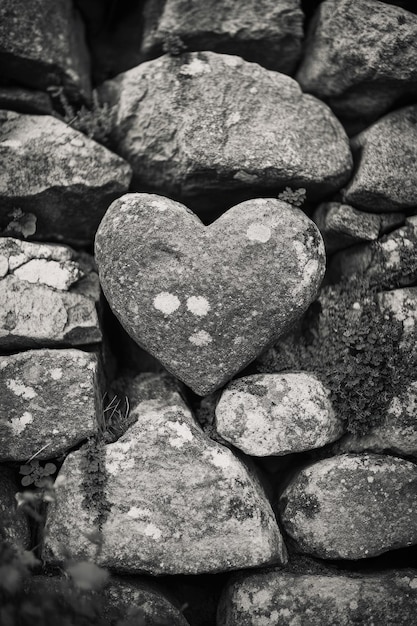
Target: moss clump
95 480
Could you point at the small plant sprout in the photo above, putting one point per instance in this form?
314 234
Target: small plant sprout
295 197
34 473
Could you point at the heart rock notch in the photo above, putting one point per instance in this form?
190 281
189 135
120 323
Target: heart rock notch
206 300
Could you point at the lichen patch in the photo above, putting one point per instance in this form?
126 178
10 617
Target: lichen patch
19 424
166 302
19 389
258 232
198 305
200 338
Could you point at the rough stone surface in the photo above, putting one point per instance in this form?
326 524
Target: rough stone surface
343 226
176 502
281 597
276 414
203 300
205 122
48 296
386 179
352 506
14 522
57 174
402 304
25 100
269 34
42 45
361 57
50 402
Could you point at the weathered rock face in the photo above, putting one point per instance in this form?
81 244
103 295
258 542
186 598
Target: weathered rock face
352 506
171 501
205 123
275 414
271 36
56 174
51 401
281 597
343 226
360 57
42 45
48 296
402 305
13 521
385 179
206 300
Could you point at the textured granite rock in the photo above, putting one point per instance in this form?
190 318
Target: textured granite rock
172 500
57 174
14 522
270 34
343 226
385 178
402 304
51 401
42 44
25 100
206 123
276 414
360 57
48 296
282 597
206 301
352 506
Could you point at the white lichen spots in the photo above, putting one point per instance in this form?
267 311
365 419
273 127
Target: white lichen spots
258 232
56 373
221 459
135 512
152 531
253 90
55 431
19 389
370 479
233 119
183 434
50 273
91 365
200 338
166 302
11 143
158 205
413 583
356 306
198 305
196 67
4 266
19 424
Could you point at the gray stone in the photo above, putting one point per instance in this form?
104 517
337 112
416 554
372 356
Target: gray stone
360 57
206 123
320 599
48 296
277 414
57 174
42 44
385 178
270 36
206 301
343 226
352 506
51 401
13 521
25 100
168 499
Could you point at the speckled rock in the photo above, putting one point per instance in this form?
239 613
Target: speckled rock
360 57
390 259
206 301
48 296
42 44
285 598
352 506
276 414
343 226
51 401
172 500
402 304
206 123
25 100
14 521
270 35
57 174
386 179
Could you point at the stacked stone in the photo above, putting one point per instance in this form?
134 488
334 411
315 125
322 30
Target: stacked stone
228 124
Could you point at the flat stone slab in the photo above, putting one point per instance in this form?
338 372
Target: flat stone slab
51 401
277 414
284 597
168 499
202 124
206 301
352 506
58 176
48 296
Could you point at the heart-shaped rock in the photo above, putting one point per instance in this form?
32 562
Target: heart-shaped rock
206 300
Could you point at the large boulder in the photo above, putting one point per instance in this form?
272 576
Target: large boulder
206 123
352 506
60 177
271 35
206 301
167 499
48 296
